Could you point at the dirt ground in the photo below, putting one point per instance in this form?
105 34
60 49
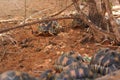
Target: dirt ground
34 54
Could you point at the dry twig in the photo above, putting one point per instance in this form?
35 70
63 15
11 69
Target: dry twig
3 54
10 20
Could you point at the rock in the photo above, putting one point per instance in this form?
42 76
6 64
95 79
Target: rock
48 48
82 49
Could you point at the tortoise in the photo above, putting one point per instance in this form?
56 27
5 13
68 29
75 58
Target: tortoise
66 59
16 75
80 73
105 61
49 28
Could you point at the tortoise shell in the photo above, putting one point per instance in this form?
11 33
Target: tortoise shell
74 65
80 73
67 59
100 54
62 62
15 75
46 75
49 28
105 61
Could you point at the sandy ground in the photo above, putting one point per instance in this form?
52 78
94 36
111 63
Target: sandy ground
16 8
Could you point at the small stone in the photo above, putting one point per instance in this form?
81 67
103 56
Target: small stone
82 49
48 47
63 34
88 46
38 49
21 66
85 55
58 52
50 60
63 47
24 45
61 52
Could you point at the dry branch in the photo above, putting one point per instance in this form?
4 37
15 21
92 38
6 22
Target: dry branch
108 46
10 20
86 38
3 55
76 5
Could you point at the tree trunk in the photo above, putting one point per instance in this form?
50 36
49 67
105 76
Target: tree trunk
114 25
97 16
